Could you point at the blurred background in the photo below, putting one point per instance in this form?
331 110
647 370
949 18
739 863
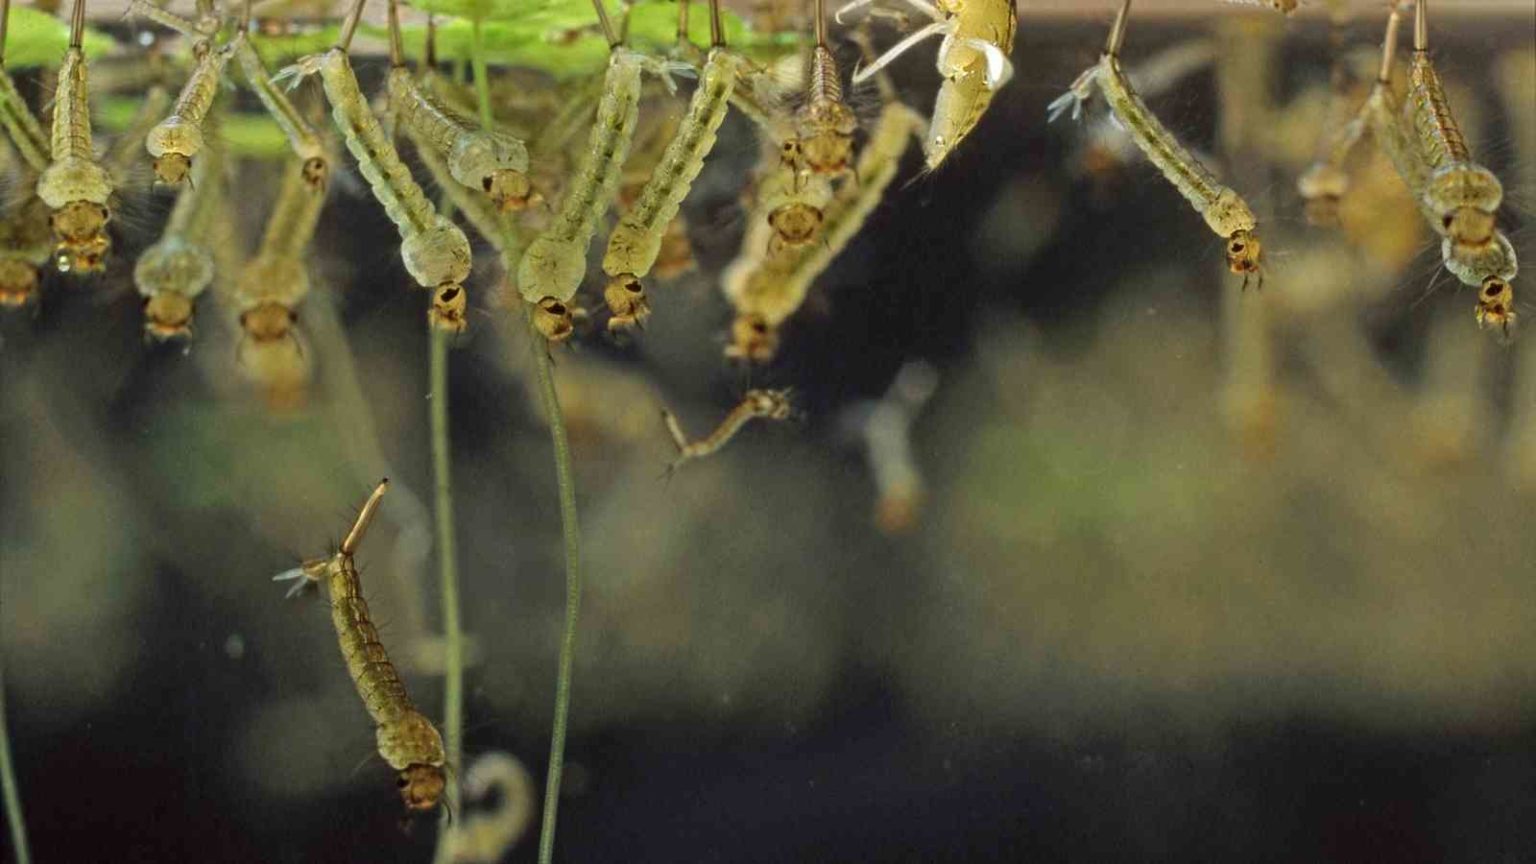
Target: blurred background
1078 552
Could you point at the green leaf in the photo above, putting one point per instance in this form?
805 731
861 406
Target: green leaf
561 36
38 39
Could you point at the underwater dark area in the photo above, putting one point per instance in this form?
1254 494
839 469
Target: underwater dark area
1072 544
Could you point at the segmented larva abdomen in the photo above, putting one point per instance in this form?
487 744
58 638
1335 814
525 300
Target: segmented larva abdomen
202 86
1187 174
423 114
826 86
378 683
403 201
71 111
555 262
636 240
1431 116
292 223
300 134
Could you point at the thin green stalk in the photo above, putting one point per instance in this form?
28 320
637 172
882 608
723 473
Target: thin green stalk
572 535
477 65
11 790
447 561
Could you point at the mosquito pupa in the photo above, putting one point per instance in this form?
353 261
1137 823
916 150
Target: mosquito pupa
406 739
973 58
766 289
1227 214
556 261
764 404
1463 195
173 272
301 135
179 137
21 125
435 251
75 186
636 240
485 160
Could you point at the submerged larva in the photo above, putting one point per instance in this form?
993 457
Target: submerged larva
179 137
636 240
765 404
75 185
406 739
485 160
554 264
26 243
273 284
435 251
173 272
1462 195
973 58
765 288
1227 214
301 135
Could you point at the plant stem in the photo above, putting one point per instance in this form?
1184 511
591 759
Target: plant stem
572 536
11 790
477 65
447 561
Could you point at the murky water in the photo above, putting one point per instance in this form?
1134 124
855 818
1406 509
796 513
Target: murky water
1073 549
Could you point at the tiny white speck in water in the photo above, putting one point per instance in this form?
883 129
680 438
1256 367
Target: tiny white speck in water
234 646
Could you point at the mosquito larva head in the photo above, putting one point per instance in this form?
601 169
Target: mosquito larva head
168 315
753 339
421 786
509 190
172 168
1496 304
449 306
1243 249
18 282
795 224
268 322
829 148
625 297
316 173
553 319
770 404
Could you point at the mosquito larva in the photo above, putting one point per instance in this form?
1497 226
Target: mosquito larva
273 284
485 836
173 272
179 137
301 135
406 739
636 241
973 58
886 429
75 186
1463 195
1325 181
21 125
554 264
1106 146
824 125
435 251
766 290
764 404
1227 214
485 160
26 242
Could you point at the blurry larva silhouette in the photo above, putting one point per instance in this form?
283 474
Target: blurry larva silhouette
1059 505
